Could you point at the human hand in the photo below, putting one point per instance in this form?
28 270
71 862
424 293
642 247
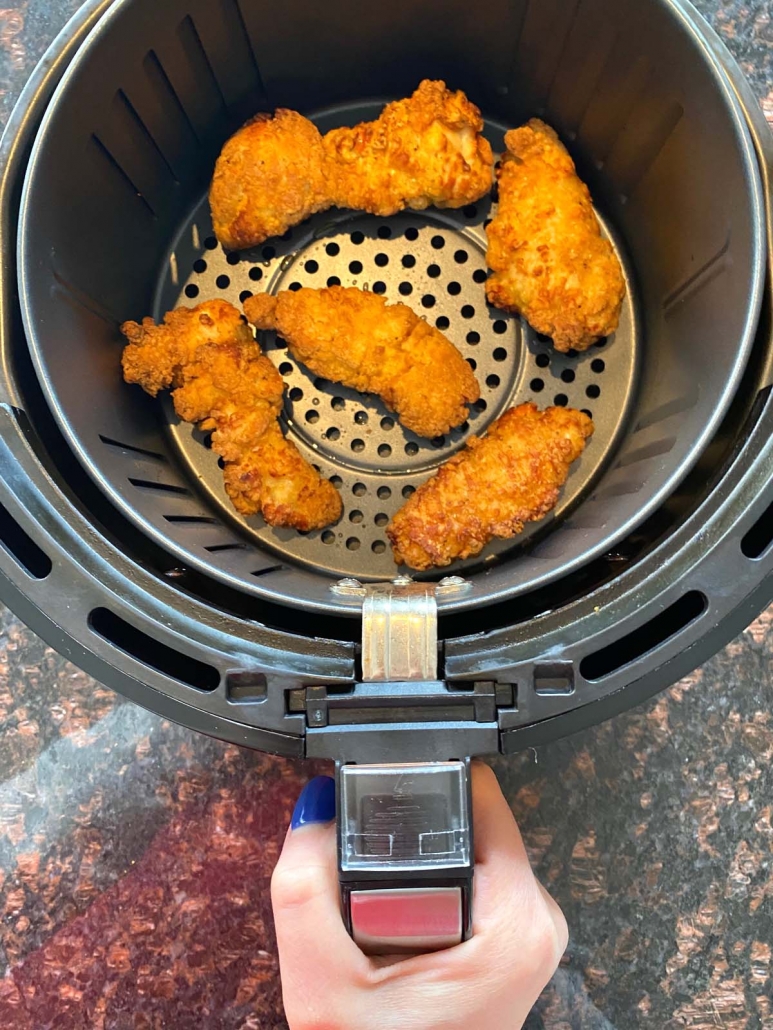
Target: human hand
489 982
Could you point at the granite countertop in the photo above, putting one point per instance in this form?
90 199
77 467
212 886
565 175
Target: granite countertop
135 856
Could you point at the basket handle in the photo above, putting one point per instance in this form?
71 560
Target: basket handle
405 855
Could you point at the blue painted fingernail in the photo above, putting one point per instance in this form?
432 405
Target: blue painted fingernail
317 803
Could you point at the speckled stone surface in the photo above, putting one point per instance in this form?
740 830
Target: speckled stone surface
135 855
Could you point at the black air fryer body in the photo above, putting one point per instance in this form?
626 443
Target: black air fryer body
118 544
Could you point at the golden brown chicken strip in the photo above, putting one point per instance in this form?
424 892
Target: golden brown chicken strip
491 489
278 170
269 176
220 379
426 149
353 337
290 491
551 264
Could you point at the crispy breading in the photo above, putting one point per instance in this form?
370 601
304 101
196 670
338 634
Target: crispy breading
551 264
290 490
421 151
354 337
492 488
276 171
269 176
219 378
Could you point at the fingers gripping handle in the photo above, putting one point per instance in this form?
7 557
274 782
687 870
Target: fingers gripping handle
405 855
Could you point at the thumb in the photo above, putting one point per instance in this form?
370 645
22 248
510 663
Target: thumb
311 936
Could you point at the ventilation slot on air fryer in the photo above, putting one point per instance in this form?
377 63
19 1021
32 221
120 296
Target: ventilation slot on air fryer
757 540
22 547
169 488
152 652
646 638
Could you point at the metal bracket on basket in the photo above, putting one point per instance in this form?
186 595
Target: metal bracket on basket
401 741
399 626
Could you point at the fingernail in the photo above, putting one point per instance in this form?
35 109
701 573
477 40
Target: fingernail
317 803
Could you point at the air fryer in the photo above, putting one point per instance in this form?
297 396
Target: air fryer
119 544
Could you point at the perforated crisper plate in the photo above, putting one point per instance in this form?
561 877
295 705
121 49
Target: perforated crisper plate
433 261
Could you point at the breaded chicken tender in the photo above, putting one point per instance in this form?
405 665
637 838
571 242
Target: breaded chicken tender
425 150
269 176
220 379
276 171
551 264
491 489
289 490
353 337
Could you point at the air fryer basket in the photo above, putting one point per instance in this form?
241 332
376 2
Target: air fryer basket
130 140
140 569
